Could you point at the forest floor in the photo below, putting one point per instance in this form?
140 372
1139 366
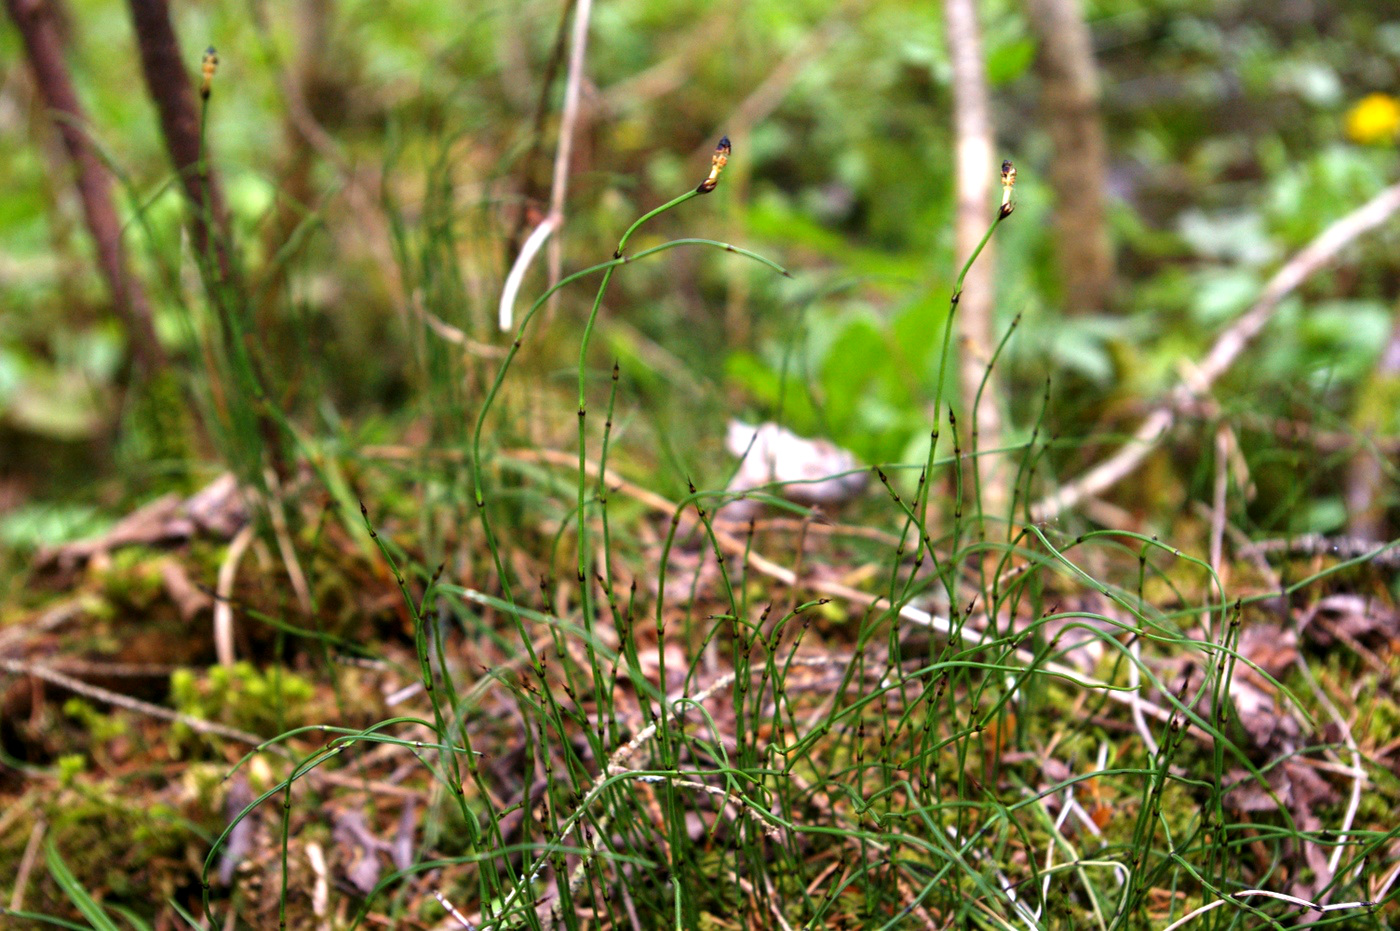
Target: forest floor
1135 724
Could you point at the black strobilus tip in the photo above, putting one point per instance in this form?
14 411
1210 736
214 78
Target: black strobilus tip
717 163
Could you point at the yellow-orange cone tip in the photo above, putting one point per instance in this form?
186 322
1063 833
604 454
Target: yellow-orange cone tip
209 66
1008 182
717 163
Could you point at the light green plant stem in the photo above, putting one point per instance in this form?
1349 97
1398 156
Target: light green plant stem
582 379
921 507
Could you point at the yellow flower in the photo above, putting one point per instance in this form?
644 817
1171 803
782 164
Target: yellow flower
1375 118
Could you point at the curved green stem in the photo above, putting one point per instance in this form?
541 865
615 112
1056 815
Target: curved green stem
582 378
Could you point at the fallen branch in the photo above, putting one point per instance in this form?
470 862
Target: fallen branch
1222 355
107 696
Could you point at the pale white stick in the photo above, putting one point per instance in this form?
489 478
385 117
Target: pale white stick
1292 900
26 864
452 910
567 122
1357 773
1379 894
321 890
223 604
1135 697
527 255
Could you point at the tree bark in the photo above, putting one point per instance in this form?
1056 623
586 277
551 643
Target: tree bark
39 30
169 85
168 81
1069 95
976 169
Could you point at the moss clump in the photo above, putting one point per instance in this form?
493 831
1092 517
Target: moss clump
125 853
241 696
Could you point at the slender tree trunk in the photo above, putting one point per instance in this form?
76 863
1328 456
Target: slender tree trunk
1069 95
976 170
37 26
168 81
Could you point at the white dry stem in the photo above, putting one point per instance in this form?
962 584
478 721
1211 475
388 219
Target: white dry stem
528 251
1381 891
1357 773
1222 355
452 910
568 122
1135 697
321 890
1057 837
1293 900
26 864
1008 888
223 603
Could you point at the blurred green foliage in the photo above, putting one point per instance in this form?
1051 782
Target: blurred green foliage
1228 151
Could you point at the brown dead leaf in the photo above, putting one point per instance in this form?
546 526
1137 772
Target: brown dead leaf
1351 618
217 510
360 849
1297 787
1269 646
1272 649
1259 713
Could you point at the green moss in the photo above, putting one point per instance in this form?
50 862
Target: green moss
123 850
102 727
133 579
242 696
70 766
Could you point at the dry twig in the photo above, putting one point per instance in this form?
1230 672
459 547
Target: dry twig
97 693
1222 355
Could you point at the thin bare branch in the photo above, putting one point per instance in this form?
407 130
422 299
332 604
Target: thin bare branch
1222 355
107 696
35 19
